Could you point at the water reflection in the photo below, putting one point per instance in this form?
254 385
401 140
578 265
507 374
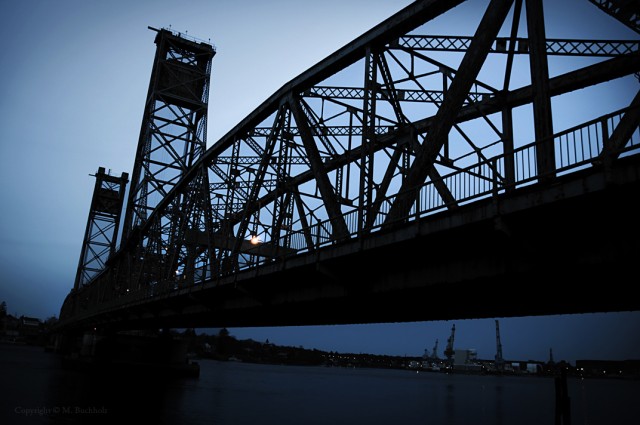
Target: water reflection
237 393
498 409
449 405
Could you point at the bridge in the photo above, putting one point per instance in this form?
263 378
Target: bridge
409 176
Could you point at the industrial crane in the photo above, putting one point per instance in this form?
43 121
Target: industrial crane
499 359
449 352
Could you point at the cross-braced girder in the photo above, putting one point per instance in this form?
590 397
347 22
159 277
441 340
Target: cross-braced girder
397 125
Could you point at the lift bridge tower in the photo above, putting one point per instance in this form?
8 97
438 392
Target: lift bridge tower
174 124
172 138
102 225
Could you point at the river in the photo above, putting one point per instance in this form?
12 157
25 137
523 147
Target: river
34 389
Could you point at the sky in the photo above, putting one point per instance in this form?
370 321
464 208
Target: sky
74 80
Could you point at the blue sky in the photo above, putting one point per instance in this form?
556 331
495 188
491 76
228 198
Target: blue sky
74 81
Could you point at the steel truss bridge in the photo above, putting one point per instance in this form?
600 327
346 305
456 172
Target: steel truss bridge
407 176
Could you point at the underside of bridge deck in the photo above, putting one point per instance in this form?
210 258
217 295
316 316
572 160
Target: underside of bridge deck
569 247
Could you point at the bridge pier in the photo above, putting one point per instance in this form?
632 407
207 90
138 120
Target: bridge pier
128 353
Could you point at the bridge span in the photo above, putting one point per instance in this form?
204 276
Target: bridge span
570 247
402 178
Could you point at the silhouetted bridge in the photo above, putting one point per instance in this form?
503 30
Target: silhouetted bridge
400 179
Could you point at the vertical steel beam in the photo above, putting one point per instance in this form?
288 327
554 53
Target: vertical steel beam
447 113
517 10
368 138
543 122
508 148
507 115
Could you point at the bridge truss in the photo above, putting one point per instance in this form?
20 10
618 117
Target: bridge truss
395 126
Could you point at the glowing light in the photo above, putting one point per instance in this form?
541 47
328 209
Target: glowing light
255 240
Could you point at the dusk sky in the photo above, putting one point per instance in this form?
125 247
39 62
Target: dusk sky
74 80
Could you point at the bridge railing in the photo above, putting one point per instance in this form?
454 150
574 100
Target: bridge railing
575 148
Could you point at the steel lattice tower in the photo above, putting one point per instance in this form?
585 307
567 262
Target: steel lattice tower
102 225
173 131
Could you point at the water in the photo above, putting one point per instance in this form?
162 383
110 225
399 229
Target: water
33 389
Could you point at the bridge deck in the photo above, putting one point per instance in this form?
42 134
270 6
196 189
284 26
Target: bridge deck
539 250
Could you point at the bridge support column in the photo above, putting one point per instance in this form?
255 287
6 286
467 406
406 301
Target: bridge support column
543 123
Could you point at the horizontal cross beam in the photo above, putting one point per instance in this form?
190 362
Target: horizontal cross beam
557 47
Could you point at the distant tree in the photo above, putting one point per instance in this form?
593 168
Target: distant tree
50 322
223 343
3 309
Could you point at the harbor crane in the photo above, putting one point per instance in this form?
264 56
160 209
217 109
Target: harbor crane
499 359
448 351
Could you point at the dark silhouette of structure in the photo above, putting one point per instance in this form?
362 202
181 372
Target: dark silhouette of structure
102 226
499 359
449 351
409 192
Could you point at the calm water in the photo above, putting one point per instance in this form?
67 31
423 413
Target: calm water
33 389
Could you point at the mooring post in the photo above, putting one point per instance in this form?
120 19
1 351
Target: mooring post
563 406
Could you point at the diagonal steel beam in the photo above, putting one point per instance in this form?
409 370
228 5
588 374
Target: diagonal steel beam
446 116
626 11
574 80
384 186
339 227
623 131
306 230
390 94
